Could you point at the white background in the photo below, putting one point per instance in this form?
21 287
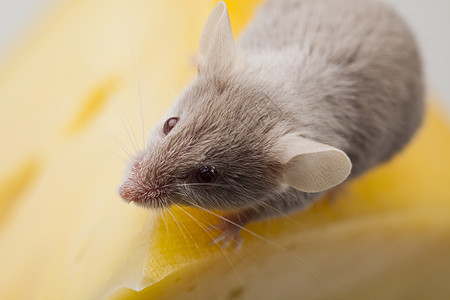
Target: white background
430 19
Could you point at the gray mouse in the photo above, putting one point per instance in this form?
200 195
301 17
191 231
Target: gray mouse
315 93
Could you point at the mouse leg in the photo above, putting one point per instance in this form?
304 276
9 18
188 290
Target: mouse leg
283 204
230 227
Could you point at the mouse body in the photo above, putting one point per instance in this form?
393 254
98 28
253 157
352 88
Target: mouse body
313 94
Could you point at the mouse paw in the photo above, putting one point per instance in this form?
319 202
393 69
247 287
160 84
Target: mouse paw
230 228
229 233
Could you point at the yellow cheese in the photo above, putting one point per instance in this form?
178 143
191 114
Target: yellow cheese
89 72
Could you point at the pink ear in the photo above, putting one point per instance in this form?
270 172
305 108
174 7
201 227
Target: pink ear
311 166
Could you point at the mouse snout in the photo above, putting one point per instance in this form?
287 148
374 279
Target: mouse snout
125 193
143 185
141 194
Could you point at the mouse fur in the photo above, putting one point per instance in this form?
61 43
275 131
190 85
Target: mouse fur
313 94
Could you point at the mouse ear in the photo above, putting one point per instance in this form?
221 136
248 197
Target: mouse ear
217 38
311 166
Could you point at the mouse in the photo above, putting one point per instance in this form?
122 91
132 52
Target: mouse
313 94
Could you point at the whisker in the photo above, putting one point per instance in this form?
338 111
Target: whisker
300 263
223 251
181 230
121 145
278 211
161 213
126 123
196 184
137 77
258 201
108 87
187 244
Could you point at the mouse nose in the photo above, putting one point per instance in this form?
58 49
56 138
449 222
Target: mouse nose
125 193
139 194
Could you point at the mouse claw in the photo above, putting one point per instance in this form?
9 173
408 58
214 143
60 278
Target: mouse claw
227 236
218 239
218 226
230 227
230 231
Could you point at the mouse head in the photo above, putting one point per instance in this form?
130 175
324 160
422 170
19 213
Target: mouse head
225 144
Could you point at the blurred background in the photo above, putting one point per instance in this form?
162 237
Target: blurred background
430 21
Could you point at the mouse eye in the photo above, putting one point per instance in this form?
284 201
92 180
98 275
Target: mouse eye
169 125
207 174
